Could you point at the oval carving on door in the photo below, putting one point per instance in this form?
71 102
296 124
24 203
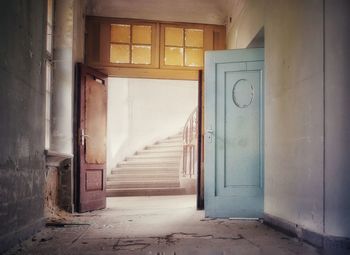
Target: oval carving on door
242 93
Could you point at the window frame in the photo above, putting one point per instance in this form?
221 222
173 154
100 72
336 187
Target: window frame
48 69
97 49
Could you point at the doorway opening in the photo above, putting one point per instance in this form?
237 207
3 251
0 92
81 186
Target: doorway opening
152 129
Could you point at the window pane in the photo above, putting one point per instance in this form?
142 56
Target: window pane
120 53
48 80
173 56
193 57
141 54
142 34
194 38
49 38
47 134
48 73
48 105
49 11
120 33
174 36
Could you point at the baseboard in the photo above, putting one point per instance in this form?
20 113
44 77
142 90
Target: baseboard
318 240
11 239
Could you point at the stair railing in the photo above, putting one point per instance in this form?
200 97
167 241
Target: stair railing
190 133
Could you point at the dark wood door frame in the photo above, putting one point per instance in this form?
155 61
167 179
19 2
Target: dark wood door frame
79 70
200 173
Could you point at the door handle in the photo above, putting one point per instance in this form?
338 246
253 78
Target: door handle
210 135
210 131
83 136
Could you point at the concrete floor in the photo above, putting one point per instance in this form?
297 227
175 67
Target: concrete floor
160 226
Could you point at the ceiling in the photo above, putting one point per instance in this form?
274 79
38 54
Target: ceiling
192 11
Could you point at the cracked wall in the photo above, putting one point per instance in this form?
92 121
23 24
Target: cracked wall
22 119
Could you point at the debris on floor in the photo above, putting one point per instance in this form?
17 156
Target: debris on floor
165 225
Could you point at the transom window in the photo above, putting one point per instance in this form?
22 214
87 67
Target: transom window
131 44
183 47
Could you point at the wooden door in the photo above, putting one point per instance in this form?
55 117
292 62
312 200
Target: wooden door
92 129
234 133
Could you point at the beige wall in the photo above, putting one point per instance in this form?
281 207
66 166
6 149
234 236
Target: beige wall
307 128
293 104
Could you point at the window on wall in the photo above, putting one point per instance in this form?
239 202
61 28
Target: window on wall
48 71
131 44
183 47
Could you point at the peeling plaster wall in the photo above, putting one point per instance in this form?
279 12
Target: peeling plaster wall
68 50
51 196
293 104
21 120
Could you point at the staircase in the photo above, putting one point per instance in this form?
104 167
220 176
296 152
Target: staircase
153 171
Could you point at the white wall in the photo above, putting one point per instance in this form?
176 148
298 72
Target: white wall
117 121
293 104
142 111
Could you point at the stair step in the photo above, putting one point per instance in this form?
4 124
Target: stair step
145 192
149 163
157 155
143 174
154 161
159 150
145 170
140 177
165 146
139 174
120 184
171 141
177 135
152 157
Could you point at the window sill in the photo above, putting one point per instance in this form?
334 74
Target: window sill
54 158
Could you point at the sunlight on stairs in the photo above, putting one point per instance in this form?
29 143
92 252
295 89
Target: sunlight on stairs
153 171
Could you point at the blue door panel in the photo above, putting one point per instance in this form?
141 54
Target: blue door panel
234 141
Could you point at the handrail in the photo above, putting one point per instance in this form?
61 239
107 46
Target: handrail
189 137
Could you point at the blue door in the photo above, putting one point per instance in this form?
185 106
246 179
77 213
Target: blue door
233 154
